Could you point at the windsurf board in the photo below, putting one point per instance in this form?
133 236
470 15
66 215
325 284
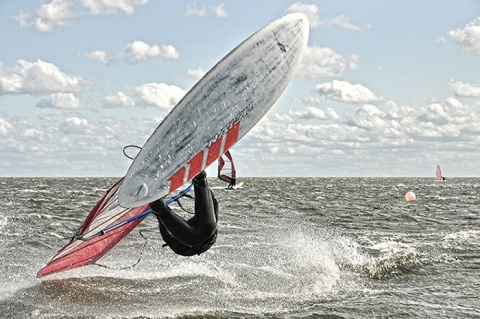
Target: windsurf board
218 111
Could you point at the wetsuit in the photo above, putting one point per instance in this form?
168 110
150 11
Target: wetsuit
199 233
233 181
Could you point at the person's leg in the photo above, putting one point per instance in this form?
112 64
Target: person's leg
206 205
175 224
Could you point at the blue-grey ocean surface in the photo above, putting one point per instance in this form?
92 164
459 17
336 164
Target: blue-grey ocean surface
287 248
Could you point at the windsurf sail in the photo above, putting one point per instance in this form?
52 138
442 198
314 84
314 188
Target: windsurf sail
226 169
439 175
105 226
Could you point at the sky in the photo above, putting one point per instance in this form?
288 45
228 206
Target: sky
385 89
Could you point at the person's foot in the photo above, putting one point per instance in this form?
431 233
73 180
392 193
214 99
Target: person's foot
200 179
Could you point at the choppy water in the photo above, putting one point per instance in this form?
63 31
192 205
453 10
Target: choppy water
287 248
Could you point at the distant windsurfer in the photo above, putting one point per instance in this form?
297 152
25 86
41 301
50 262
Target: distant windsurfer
226 170
199 233
233 182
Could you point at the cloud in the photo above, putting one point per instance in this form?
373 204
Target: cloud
136 52
61 101
369 133
343 91
305 139
196 74
35 133
369 117
5 127
450 112
97 7
55 13
312 13
343 22
50 145
219 11
139 51
324 62
194 11
76 125
59 13
298 134
468 38
310 10
161 95
39 78
99 55
314 113
462 89
119 100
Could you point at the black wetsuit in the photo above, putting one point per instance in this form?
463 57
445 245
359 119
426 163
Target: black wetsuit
199 233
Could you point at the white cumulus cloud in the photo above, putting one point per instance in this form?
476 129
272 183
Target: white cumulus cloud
218 11
448 114
196 74
61 101
325 62
139 51
38 77
120 99
33 132
99 55
310 10
463 89
312 13
161 95
5 127
76 125
369 117
97 7
343 22
193 10
344 91
468 38
314 113
48 16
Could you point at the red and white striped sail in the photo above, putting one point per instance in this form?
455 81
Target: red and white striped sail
91 241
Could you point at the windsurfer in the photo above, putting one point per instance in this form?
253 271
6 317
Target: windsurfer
199 233
226 170
232 184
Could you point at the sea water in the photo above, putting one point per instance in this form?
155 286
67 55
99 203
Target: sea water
287 248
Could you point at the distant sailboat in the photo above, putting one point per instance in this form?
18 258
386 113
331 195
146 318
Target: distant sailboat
226 170
440 177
